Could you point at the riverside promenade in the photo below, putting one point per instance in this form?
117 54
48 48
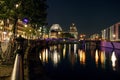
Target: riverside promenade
31 62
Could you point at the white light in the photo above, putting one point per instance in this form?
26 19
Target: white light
113 59
96 56
25 25
4 32
114 35
16 5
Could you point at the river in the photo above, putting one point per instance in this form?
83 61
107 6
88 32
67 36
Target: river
72 62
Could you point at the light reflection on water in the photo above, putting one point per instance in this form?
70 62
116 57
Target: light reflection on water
82 56
102 59
113 59
67 55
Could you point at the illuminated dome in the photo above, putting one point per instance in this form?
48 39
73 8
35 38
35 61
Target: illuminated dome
55 27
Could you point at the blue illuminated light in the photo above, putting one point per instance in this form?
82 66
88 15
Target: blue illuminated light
25 20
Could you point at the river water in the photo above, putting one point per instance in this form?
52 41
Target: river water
72 62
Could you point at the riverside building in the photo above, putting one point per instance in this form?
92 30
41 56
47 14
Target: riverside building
112 33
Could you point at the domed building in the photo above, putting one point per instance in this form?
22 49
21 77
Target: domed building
55 31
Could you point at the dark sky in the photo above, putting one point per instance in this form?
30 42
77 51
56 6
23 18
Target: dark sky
90 16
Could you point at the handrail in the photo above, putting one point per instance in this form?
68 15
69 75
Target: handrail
17 73
18 69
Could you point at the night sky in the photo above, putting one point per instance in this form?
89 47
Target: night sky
90 16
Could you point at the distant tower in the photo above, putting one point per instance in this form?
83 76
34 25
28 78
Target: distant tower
73 30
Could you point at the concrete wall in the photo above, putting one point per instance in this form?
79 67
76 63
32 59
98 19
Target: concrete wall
116 45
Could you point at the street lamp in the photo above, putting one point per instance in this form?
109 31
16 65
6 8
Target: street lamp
16 5
114 36
16 20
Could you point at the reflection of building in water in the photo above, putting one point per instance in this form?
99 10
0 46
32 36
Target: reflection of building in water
113 59
56 58
72 53
99 57
64 50
75 48
53 56
96 57
82 56
69 48
72 57
44 56
102 59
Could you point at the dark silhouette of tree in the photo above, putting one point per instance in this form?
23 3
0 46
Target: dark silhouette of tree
33 10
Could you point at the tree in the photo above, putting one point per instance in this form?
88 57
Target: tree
33 10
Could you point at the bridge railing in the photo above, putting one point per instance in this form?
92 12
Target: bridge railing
17 73
18 69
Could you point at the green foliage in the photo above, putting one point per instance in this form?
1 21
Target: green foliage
34 10
7 8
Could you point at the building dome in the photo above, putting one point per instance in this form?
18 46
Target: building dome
55 27
55 31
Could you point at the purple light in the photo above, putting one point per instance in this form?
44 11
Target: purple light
25 20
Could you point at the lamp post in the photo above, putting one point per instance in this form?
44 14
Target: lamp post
16 20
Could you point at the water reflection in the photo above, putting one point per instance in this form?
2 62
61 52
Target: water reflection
75 48
96 57
113 59
64 50
55 57
82 56
72 57
44 56
60 54
102 59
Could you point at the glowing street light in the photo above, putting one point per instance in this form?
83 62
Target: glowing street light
25 25
114 36
16 5
16 20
